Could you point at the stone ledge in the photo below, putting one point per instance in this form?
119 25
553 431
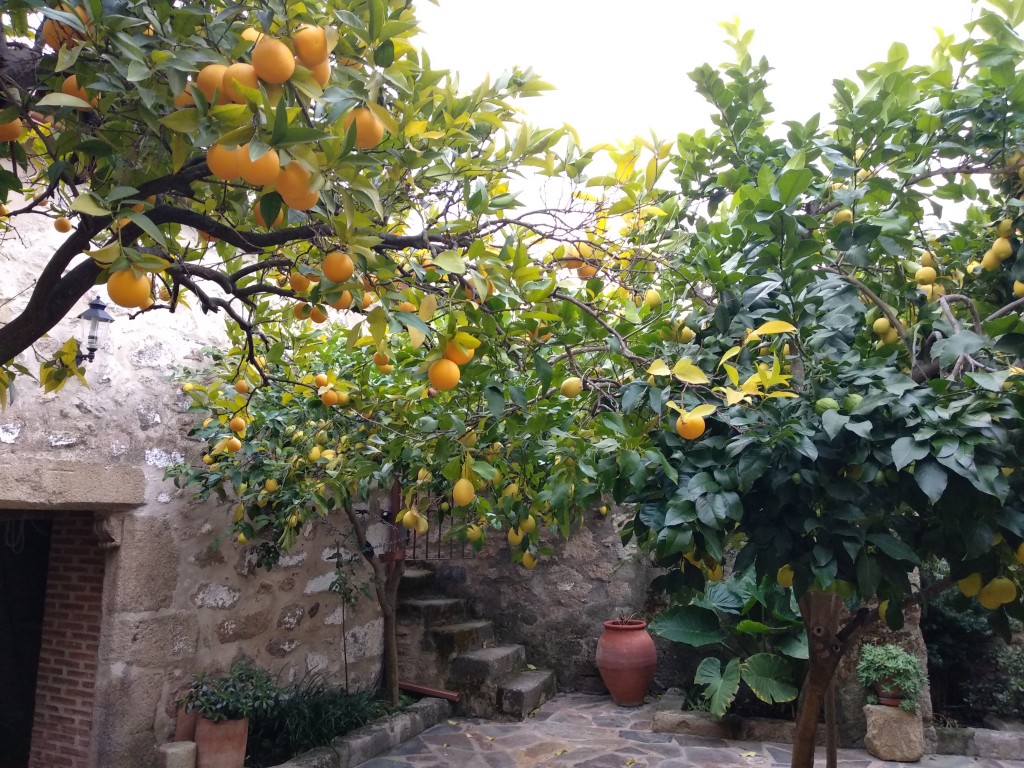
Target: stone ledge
71 485
368 742
670 717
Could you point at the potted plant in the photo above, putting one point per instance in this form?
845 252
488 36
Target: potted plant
895 675
626 660
224 705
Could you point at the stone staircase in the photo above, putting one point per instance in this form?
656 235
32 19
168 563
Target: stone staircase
440 647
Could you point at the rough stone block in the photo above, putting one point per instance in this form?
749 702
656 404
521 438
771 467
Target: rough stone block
71 485
325 757
145 567
486 664
670 717
153 641
1003 723
999 745
176 754
893 734
955 741
524 692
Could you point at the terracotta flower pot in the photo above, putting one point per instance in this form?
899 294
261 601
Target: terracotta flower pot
626 660
221 745
889 694
185 725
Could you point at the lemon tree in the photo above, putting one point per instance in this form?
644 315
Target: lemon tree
854 324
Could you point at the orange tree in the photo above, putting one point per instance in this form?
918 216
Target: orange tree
303 170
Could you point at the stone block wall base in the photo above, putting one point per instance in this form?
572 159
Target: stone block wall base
893 734
177 754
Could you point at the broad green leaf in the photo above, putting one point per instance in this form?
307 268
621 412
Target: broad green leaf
721 685
86 203
769 677
906 450
450 261
689 625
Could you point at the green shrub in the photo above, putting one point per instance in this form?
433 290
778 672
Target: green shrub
893 669
1001 690
308 714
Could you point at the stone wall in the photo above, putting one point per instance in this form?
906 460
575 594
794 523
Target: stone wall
172 603
557 609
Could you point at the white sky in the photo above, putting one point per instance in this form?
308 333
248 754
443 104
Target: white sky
620 65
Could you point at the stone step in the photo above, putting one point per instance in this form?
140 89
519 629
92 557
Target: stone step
450 640
431 611
486 666
416 582
522 692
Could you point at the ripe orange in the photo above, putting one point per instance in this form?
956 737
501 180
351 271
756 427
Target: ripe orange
56 33
344 301
690 427
321 380
299 281
338 267
322 72
463 493
317 315
301 311
233 444
272 61
245 75
237 424
261 171
329 398
456 354
293 185
210 80
12 130
310 45
369 130
406 306
586 271
257 214
444 374
242 387
224 163
62 224
70 87
184 99
126 289
381 358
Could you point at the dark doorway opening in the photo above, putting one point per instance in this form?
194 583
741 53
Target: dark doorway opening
24 561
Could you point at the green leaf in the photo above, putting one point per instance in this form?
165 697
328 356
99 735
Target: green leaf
931 478
63 100
751 627
792 183
451 261
907 450
794 646
87 203
769 678
721 686
689 625
962 343
182 120
495 400
893 547
832 421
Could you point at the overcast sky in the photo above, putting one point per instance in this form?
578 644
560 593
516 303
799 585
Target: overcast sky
620 65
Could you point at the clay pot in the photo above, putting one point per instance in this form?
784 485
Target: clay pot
185 725
221 745
626 660
889 694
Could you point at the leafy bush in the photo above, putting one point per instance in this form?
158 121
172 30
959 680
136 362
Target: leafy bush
1001 691
308 714
756 623
893 669
245 691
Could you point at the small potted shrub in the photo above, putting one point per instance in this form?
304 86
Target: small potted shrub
224 705
895 675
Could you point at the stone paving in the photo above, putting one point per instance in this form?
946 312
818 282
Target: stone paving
581 731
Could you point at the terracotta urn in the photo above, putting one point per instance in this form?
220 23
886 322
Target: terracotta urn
221 745
626 660
185 724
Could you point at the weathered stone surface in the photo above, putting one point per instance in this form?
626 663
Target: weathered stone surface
218 596
997 723
955 741
1000 745
153 641
176 754
144 571
670 717
290 616
243 627
70 485
127 699
279 647
893 734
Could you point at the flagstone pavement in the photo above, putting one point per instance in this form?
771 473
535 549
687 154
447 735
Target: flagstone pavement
583 731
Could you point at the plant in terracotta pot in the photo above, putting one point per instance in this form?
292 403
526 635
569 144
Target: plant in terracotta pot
895 675
626 659
225 704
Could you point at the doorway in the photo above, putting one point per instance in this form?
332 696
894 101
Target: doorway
24 563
